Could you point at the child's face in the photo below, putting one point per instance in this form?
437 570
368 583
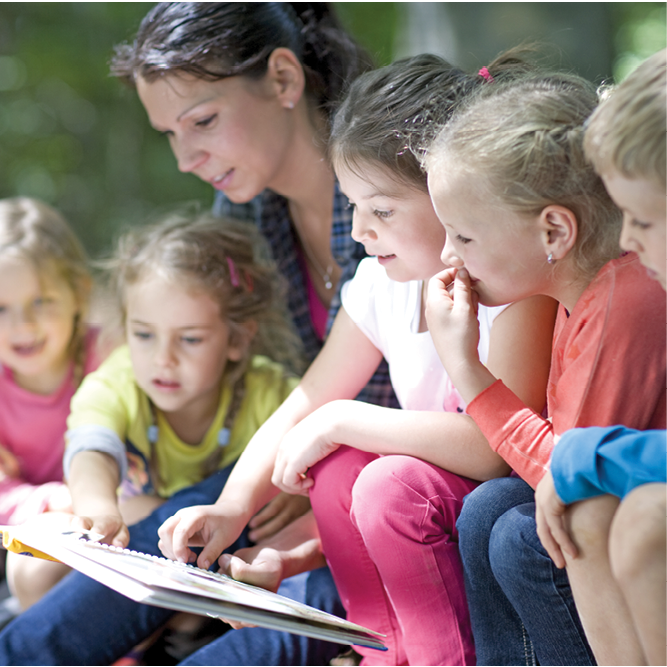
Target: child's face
502 253
37 316
179 345
644 210
231 133
395 222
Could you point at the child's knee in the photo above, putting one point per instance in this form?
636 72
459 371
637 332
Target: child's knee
637 536
590 521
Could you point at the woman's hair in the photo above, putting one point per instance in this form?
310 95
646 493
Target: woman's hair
390 115
33 232
215 40
222 257
522 141
627 131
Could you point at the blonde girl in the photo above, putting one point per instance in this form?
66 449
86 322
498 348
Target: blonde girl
526 214
182 398
386 523
46 348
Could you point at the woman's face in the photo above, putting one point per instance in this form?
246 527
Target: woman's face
234 133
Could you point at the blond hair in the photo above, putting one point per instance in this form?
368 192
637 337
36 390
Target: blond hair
36 233
222 257
626 133
523 142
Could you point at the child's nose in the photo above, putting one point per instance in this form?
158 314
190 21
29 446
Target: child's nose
24 317
449 256
628 240
362 228
164 355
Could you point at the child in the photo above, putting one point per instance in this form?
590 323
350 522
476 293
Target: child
526 214
188 391
46 347
400 547
625 552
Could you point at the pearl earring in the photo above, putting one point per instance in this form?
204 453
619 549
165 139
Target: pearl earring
550 258
290 104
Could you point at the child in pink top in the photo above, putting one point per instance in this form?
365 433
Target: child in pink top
46 348
526 214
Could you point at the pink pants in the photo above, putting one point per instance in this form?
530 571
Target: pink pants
388 528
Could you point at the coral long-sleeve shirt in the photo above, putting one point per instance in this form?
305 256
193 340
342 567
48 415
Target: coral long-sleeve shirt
607 368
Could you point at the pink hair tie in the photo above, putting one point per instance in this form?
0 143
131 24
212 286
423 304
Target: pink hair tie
484 73
233 275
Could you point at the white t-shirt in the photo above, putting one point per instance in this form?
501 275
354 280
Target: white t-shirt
388 312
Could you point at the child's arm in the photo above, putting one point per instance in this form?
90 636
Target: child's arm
343 367
519 353
93 480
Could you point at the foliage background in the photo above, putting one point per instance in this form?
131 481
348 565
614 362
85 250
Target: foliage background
78 139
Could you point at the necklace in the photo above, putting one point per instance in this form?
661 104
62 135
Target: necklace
325 275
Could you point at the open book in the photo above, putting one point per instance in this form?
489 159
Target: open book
167 583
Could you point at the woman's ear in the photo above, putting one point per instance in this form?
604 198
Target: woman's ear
285 73
559 229
240 337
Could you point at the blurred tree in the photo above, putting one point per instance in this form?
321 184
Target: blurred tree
640 32
78 139
72 135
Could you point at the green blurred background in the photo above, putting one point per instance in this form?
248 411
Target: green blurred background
78 139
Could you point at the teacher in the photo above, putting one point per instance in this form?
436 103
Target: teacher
243 91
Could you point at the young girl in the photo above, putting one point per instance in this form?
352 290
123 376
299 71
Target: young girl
386 522
188 391
618 472
46 348
526 214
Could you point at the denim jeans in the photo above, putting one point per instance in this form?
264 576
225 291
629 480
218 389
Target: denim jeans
521 605
82 622
259 646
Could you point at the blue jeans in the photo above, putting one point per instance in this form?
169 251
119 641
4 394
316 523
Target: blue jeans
259 646
82 622
521 605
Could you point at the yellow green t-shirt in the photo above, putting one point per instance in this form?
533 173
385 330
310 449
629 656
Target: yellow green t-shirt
111 413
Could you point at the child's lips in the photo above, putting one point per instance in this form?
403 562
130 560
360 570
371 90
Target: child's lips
166 385
28 350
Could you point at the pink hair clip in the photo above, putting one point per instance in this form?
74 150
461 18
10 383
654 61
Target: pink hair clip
484 73
233 275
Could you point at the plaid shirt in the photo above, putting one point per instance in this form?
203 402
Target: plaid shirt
270 213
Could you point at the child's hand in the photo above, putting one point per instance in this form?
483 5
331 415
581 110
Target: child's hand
549 514
213 527
277 514
60 500
451 314
9 464
110 525
302 447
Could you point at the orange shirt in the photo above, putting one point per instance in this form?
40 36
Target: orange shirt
607 368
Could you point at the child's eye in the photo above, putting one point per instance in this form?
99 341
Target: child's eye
205 122
382 214
462 239
191 340
165 133
142 335
350 205
640 225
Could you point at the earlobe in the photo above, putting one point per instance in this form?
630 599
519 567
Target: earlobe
560 228
287 76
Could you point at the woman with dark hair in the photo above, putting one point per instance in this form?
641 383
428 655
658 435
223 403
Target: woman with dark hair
243 91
